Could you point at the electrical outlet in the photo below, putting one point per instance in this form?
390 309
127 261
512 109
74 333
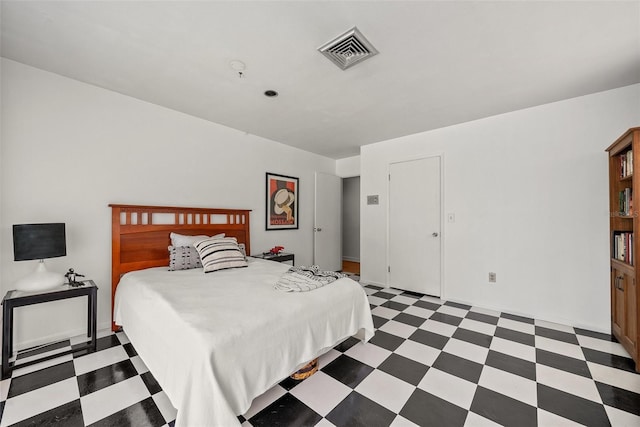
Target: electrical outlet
492 277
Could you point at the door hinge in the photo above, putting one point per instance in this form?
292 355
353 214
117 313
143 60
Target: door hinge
389 269
389 177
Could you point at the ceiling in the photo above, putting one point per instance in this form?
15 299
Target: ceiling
440 63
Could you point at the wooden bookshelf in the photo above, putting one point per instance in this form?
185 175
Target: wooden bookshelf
624 153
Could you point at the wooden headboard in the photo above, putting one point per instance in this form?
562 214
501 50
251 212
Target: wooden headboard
140 234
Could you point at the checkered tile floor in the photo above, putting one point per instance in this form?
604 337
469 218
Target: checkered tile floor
431 363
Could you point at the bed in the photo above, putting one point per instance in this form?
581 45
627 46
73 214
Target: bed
216 341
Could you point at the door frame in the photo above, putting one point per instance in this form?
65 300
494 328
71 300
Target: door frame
440 155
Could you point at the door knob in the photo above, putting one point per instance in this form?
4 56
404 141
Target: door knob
317 229
435 234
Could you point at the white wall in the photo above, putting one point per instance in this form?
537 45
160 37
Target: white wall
529 192
348 167
69 149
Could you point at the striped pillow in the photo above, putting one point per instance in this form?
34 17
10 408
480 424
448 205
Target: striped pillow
219 254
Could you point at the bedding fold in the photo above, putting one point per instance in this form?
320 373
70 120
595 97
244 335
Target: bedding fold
304 279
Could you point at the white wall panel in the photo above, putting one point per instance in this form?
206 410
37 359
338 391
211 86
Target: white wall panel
348 167
529 193
69 149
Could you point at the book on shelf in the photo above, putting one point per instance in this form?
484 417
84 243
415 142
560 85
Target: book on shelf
623 246
626 164
625 202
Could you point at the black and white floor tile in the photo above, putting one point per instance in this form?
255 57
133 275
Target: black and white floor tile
431 363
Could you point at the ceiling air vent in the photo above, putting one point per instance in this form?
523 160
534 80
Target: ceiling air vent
348 49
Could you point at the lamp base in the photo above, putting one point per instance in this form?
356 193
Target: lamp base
40 280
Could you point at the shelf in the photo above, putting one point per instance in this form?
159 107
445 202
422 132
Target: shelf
626 178
617 215
623 266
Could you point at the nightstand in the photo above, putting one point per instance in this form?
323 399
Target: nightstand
281 257
15 298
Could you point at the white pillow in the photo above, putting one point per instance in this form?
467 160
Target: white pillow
178 240
220 254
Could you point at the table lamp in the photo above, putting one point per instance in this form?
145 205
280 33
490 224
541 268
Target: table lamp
39 241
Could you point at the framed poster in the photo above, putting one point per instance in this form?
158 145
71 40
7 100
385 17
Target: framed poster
282 202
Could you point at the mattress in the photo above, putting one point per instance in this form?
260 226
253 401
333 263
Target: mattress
216 341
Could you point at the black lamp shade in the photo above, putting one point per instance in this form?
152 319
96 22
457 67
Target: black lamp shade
39 241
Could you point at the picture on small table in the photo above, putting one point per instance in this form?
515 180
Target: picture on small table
282 202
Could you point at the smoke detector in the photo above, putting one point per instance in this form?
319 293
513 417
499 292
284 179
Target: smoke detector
238 67
348 49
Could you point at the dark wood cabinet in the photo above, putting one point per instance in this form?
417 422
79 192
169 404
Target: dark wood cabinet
624 220
624 315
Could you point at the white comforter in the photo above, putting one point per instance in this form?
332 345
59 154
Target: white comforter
216 341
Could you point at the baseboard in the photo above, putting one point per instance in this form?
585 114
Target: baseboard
59 336
370 282
551 319
350 259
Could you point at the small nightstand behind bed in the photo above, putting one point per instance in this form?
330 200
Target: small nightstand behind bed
281 257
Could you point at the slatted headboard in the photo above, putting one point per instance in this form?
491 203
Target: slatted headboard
140 234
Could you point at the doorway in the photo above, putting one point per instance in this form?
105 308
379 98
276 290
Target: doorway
351 225
415 211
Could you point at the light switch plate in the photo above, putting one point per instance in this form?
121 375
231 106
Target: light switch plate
372 200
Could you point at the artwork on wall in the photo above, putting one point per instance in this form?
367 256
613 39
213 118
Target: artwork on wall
282 202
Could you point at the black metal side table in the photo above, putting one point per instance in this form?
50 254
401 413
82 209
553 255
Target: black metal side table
281 257
17 298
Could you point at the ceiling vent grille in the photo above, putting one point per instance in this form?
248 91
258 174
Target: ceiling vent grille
348 49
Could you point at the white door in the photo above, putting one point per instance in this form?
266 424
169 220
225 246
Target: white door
414 225
327 226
